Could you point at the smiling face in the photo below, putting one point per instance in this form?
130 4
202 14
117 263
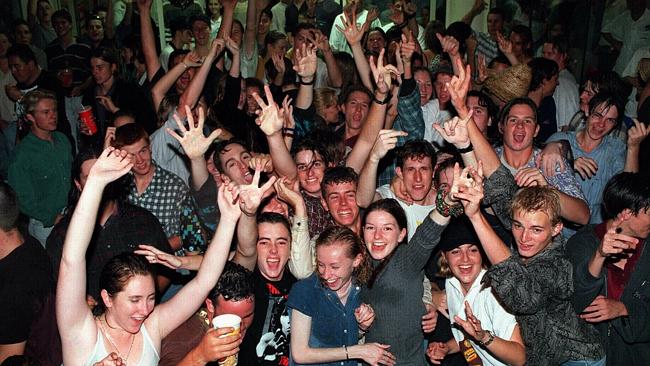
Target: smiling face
264 24
417 176
141 152
375 42
311 169
423 79
519 128
533 232
334 265
494 24
22 34
130 307
382 234
201 32
341 202
234 163
465 263
61 26
251 103
601 121
95 30
214 6
22 71
184 80
273 248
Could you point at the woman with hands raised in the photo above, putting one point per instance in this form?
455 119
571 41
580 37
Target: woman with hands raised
489 329
128 322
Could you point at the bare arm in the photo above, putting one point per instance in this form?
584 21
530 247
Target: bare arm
165 83
191 95
250 34
74 318
476 9
635 137
151 60
32 6
108 24
305 65
226 18
353 34
386 141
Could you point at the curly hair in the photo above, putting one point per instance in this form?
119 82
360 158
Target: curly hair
235 283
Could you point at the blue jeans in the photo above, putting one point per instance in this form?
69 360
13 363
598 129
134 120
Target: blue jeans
600 362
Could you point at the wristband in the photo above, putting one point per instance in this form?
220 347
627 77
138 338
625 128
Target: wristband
489 341
301 82
465 150
385 101
445 209
347 355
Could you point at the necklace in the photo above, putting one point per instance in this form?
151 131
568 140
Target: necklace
110 340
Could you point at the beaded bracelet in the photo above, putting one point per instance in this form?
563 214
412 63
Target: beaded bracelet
446 209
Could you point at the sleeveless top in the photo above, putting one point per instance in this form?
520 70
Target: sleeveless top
148 357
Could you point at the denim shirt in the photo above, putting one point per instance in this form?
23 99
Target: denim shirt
332 323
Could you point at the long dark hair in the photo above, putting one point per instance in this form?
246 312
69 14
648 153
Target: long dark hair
392 207
117 273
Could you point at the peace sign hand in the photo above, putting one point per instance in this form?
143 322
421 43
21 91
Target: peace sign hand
269 117
458 87
471 326
250 195
455 131
382 73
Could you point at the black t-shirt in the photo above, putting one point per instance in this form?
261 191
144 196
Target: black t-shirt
546 119
267 339
25 282
123 232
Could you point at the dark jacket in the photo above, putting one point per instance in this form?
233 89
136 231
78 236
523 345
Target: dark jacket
626 339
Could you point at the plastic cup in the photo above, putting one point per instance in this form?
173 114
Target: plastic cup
227 321
86 117
66 76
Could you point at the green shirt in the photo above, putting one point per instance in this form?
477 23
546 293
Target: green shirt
40 174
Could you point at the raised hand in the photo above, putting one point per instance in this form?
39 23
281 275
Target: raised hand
586 167
320 40
455 131
232 46
262 160
614 242
386 141
382 73
462 180
110 166
154 255
482 69
250 195
269 117
437 351
472 325
288 192
504 44
109 137
353 34
470 192
637 134
373 14
228 3
365 315
529 177
144 5
192 59
397 186
194 143
278 63
459 85
287 113
602 309
228 201
407 47
449 44
107 102
305 62
218 45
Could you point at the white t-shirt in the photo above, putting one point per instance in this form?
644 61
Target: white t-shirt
337 38
633 34
567 98
433 115
485 307
415 214
7 106
423 45
279 18
167 151
631 70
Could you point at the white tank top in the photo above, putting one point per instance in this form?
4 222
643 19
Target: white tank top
148 357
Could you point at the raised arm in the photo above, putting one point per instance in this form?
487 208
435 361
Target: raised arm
165 83
193 92
32 7
386 141
305 64
250 198
476 9
226 18
505 46
271 122
152 62
108 24
451 46
169 315
74 318
195 144
250 33
375 120
353 34
635 137
334 78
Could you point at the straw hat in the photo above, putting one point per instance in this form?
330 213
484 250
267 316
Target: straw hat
510 83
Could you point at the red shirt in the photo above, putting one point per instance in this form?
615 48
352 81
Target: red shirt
617 278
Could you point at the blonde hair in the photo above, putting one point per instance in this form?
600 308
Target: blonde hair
32 98
324 97
532 199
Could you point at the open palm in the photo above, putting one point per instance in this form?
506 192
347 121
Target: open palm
194 143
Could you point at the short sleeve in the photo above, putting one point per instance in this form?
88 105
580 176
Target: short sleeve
302 296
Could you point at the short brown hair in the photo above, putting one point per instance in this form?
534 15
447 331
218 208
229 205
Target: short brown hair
531 199
129 134
31 99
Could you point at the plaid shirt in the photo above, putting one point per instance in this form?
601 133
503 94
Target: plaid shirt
409 119
168 198
319 218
